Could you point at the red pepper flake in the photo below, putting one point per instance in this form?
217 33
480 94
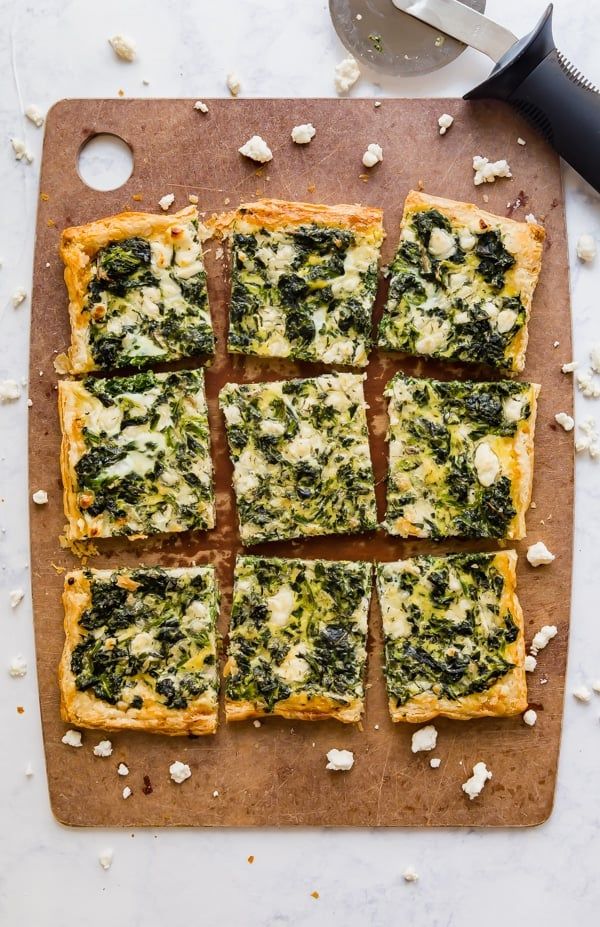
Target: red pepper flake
314 895
51 224
137 197
147 787
250 859
44 197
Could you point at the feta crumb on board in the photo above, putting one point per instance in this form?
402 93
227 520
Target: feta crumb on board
424 739
200 106
122 769
435 762
582 694
34 115
103 748
9 390
256 149
256 723
444 122
179 772
233 84
565 421
530 663
474 786
340 760
105 858
487 171
20 150
40 497
530 717
410 874
216 793
539 555
586 248
19 296
18 667
127 793
521 141
166 201
373 155
347 73
542 638
15 597
123 48
530 218
303 133
570 367
72 738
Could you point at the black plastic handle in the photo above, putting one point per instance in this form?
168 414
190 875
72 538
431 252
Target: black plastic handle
552 95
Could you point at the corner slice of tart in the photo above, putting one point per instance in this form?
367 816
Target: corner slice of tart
460 457
453 636
297 640
135 455
301 459
137 291
461 284
141 650
304 280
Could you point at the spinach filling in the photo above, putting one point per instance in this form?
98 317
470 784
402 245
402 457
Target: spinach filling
446 632
298 627
149 635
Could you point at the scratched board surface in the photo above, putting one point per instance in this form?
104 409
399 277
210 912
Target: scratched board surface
275 775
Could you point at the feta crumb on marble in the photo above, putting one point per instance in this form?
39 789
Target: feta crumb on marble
256 149
166 201
582 694
233 84
487 171
530 717
19 296
373 155
122 769
474 786
29 770
589 440
103 748
570 367
40 497
444 122
200 106
123 48
9 390
435 762
595 357
127 793
586 248
521 141
105 858
21 151
347 73
565 421
340 760
34 115
587 384
539 555
18 667
15 597
304 133
542 638
530 663
72 739
410 874
424 739
179 772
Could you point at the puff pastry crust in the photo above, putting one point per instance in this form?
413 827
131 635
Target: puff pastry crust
462 283
153 618
454 643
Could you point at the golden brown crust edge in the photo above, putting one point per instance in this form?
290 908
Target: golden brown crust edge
524 451
71 438
279 214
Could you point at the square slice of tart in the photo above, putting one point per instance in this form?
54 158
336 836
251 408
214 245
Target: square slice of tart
461 284
137 291
304 279
297 640
301 459
453 632
460 457
141 650
135 455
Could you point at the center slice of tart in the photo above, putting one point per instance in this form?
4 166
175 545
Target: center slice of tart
461 284
137 291
304 279
301 459
141 650
297 641
135 456
460 457
453 631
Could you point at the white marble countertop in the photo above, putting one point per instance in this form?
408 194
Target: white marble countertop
50 875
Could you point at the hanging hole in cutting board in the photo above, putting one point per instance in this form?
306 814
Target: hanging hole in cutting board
105 162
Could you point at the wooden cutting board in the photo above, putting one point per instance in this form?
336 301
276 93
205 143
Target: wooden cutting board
275 775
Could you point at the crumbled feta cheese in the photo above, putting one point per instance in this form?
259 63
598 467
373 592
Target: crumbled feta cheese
257 149
216 793
530 663
105 858
256 723
565 421
486 171
441 244
555 344
377 104
179 772
595 357
9 390
127 792
530 218
542 638
586 248
589 440
410 874
303 134
530 717
200 106
122 47
29 770
474 786
582 694
372 155
570 367
424 739
587 385
347 73
435 762
193 199
40 497
521 141
20 149
103 748
18 667
444 122
539 555
15 597
596 686
340 760
166 201
122 769
34 115
487 464
233 84
72 739
19 296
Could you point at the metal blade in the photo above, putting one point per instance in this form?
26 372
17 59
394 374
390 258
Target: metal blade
462 23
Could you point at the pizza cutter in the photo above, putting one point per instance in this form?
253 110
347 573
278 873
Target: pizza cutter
529 73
